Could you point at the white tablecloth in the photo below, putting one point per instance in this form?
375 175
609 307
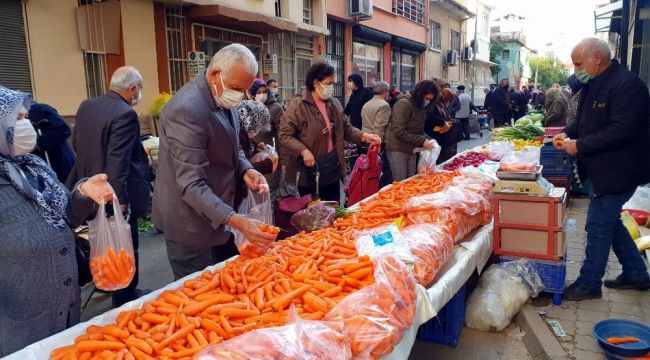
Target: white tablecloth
467 257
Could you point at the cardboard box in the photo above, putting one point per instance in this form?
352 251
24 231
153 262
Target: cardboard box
529 212
531 241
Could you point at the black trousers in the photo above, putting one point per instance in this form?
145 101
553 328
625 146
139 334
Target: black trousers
500 119
465 123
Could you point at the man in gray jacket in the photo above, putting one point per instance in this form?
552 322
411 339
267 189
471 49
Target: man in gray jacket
201 165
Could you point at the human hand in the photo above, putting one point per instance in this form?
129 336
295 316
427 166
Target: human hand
371 138
275 158
251 231
558 140
261 146
256 181
428 145
97 188
308 158
570 146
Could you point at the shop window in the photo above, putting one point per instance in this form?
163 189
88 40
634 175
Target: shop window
410 9
14 60
435 38
485 23
304 53
366 61
336 54
95 71
176 54
505 54
278 9
307 11
455 41
403 70
284 45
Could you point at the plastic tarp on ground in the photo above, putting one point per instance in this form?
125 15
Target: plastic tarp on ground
467 257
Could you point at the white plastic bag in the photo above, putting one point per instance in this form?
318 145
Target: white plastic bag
640 200
498 149
501 292
256 207
383 240
524 160
428 158
112 262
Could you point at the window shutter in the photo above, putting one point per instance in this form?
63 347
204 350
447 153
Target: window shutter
14 60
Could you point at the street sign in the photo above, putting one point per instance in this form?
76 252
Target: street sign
270 64
196 63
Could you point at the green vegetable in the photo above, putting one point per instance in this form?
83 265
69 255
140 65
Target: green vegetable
524 121
519 131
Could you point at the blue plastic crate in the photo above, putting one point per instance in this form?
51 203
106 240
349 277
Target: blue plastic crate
446 327
556 173
554 160
552 273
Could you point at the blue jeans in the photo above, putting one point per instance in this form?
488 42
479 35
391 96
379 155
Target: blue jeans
605 230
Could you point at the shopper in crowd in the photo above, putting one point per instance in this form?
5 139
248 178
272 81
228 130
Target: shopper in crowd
394 96
313 132
464 110
360 96
274 89
610 137
454 105
38 282
500 104
540 99
406 129
375 116
106 139
201 165
488 99
254 119
519 104
260 92
555 108
52 142
572 103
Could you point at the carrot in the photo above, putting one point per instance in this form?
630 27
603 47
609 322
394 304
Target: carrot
155 319
140 345
211 325
99 345
238 313
196 308
138 354
361 273
176 336
315 303
114 331
622 340
283 301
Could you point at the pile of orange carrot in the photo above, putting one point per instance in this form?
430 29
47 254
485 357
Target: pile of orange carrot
112 270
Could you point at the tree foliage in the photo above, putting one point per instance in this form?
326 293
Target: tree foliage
496 50
549 71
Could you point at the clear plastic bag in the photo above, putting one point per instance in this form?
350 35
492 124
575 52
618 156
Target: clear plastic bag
501 292
377 316
431 245
257 207
315 217
640 200
498 149
268 152
298 340
112 263
428 158
383 240
524 160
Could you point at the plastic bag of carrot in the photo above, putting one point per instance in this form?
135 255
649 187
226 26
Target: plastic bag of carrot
431 245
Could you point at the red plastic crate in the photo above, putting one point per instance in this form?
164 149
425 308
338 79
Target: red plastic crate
552 131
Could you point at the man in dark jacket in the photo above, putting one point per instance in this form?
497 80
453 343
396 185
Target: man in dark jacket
106 139
360 96
519 104
611 137
500 104
52 142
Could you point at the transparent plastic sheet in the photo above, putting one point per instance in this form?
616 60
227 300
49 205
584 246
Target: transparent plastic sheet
524 160
431 245
640 200
377 316
481 185
257 207
298 340
315 217
112 263
381 241
428 158
498 149
501 292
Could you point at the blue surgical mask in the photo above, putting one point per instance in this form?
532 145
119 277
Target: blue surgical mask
425 103
583 76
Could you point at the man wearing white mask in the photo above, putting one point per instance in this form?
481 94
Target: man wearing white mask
201 165
106 139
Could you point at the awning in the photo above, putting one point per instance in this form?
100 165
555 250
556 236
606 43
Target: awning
455 9
370 34
608 18
227 17
407 44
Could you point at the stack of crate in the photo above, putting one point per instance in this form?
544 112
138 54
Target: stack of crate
557 167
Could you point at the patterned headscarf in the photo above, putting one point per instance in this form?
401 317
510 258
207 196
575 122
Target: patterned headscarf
254 117
28 174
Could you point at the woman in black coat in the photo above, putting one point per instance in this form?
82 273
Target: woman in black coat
52 139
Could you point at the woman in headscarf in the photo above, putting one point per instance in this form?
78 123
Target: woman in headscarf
38 281
556 108
254 119
576 89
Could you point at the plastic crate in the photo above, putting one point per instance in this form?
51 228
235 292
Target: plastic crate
446 327
552 273
554 160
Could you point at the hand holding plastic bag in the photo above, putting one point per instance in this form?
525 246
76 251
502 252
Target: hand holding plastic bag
112 263
257 208
524 160
428 158
501 292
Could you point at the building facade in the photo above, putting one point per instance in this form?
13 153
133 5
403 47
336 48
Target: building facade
64 51
513 61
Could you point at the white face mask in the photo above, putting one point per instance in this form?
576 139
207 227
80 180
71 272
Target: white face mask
261 97
274 91
328 91
230 98
137 100
24 137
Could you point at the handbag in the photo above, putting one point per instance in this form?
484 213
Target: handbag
328 170
82 253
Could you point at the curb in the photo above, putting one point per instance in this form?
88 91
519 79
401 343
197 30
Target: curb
538 338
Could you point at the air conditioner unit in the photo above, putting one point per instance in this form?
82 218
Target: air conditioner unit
468 53
452 58
360 9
